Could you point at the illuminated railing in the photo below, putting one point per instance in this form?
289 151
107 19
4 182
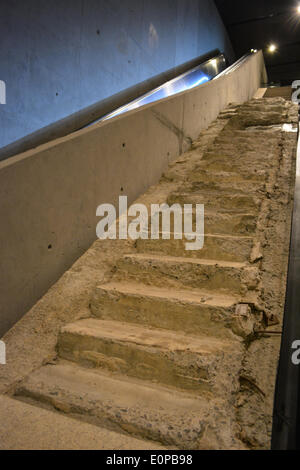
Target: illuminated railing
190 79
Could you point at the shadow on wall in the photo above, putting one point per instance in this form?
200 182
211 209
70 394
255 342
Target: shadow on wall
88 115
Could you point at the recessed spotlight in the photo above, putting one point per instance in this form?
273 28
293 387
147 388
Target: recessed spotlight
272 48
298 10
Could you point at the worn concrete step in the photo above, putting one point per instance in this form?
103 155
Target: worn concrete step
218 247
244 140
30 427
258 173
261 118
175 359
236 135
229 224
236 165
194 312
202 180
180 272
215 222
217 200
239 168
123 405
238 155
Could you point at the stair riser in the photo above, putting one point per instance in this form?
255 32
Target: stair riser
229 176
163 313
230 224
261 159
243 172
214 180
198 183
217 201
219 248
221 223
177 275
259 172
183 370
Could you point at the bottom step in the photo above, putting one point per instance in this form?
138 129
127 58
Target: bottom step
142 410
30 427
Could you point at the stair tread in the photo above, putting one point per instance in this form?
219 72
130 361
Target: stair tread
120 403
110 387
38 424
212 192
185 295
212 235
231 237
182 259
212 212
146 337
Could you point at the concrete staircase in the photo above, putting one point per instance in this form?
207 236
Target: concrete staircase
160 356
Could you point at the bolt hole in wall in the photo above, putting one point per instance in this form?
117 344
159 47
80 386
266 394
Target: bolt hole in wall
50 247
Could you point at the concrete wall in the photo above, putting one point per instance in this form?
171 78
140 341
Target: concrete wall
60 56
49 196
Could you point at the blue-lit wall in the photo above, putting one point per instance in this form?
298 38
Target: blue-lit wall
59 56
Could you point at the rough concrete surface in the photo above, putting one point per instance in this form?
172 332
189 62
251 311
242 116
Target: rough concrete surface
28 427
143 339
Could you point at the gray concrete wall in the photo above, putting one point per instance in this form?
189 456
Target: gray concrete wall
49 196
60 56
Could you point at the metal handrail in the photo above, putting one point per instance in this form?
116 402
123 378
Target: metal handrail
219 61
234 66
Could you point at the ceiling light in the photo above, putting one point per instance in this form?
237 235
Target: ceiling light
298 9
272 48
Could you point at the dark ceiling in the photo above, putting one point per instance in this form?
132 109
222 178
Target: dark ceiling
255 24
